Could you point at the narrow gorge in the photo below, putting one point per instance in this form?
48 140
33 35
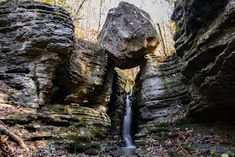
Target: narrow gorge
133 91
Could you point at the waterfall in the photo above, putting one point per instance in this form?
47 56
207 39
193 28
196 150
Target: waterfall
129 148
127 123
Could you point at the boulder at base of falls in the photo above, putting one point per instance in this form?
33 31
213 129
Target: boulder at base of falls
127 35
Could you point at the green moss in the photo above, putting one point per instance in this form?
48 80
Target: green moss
73 137
177 32
22 117
162 124
187 146
166 82
4 1
83 134
72 128
228 154
81 118
95 132
79 144
161 135
141 143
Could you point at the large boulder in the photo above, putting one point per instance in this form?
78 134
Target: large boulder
35 40
206 47
88 78
127 35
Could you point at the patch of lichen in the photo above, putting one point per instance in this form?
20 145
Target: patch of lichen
23 117
85 141
177 32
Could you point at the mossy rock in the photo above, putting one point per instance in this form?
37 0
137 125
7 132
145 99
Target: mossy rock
91 151
81 119
82 146
21 117
162 135
141 143
84 134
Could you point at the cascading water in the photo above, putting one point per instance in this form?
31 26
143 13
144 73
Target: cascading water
127 124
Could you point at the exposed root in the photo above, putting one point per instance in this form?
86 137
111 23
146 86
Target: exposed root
4 130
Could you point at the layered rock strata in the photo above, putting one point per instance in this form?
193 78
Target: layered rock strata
159 92
206 46
88 78
43 67
35 40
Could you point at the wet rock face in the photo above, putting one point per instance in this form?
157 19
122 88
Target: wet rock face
160 94
127 35
35 40
206 47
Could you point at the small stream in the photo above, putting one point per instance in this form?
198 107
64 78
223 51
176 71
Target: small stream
129 148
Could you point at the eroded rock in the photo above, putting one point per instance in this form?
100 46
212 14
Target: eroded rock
35 40
88 78
206 45
160 94
127 35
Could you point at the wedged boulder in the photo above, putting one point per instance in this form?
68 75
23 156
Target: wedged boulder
160 94
88 78
35 40
207 56
127 35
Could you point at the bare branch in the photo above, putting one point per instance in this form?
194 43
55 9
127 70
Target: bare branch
162 39
13 136
101 3
79 8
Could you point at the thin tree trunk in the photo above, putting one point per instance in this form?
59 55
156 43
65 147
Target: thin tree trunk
79 8
101 3
162 39
165 38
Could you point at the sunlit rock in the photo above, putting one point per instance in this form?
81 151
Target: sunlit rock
127 35
88 77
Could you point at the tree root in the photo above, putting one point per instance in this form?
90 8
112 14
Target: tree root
4 130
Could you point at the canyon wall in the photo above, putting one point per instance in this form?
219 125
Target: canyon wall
36 40
205 44
50 79
54 80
